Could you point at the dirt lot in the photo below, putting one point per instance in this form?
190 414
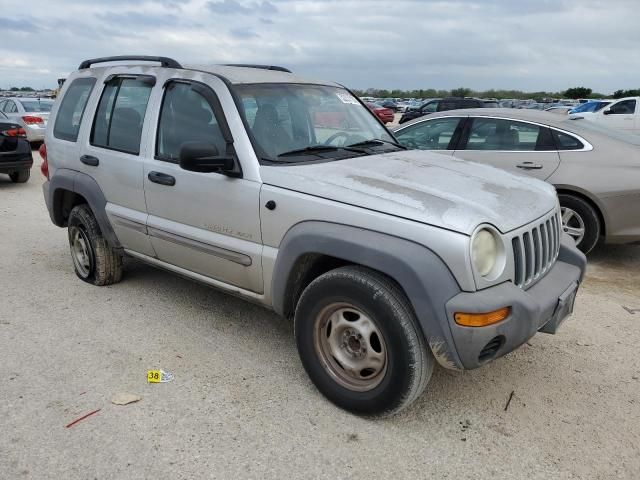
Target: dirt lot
241 405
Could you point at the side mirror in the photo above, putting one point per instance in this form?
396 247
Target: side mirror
607 111
204 158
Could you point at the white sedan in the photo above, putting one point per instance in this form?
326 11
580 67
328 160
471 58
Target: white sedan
31 113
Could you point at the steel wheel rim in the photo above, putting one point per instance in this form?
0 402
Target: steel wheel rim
351 347
572 224
81 251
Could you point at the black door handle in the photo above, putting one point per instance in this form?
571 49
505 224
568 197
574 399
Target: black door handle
90 160
529 166
162 178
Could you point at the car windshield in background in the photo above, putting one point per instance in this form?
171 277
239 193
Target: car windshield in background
295 122
589 107
36 105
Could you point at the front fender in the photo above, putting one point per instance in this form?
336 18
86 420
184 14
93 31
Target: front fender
424 277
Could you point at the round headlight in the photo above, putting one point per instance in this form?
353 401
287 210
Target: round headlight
484 251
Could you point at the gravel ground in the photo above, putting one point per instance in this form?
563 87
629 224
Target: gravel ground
241 405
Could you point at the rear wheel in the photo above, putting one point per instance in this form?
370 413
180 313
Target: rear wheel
21 176
94 260
580 221
359 341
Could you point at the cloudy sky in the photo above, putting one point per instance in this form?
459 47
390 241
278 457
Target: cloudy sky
522 44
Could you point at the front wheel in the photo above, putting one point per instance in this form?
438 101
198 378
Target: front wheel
360 343
580 221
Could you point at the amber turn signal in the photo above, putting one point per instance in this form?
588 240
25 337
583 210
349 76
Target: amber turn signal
482 319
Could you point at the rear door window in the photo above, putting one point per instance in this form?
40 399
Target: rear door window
120 115
506 135
71 109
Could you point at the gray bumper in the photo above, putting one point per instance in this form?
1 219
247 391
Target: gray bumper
540 308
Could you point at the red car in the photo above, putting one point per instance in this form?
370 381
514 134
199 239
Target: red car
384 114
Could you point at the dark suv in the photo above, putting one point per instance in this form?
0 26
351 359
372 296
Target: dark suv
440 105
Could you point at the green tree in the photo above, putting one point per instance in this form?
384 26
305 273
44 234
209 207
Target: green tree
577 92
461 92
626 93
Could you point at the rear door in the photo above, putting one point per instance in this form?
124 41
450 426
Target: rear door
517 146
114 155
207 223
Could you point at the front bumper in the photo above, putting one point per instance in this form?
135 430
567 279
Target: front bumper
540 308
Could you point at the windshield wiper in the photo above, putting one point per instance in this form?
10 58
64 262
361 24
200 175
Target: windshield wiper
318 149
377 141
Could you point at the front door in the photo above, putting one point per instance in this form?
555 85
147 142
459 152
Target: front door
207 223
621 115
519 147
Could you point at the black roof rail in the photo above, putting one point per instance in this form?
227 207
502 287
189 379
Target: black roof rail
164 61
263 67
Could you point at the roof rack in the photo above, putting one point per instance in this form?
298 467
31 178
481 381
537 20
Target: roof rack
263 67
164 61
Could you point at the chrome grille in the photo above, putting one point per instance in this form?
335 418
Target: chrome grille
535 249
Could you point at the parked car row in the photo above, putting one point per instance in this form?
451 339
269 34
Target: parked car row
443 104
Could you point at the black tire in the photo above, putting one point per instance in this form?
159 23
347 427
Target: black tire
103 264
587 215
21 176
409 363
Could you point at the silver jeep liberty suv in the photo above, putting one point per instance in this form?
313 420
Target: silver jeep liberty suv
290 193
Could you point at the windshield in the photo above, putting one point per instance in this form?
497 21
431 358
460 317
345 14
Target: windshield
295 122
36 105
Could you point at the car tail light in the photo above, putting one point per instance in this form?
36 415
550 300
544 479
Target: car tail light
14 132
31 120
44 168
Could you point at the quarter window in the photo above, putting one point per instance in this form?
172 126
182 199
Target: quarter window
71 109
566 142
10 107
120 116
430 135
509 135
186 116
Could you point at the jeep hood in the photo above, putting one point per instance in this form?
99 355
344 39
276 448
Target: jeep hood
426 187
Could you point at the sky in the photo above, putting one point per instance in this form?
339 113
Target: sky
530 45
